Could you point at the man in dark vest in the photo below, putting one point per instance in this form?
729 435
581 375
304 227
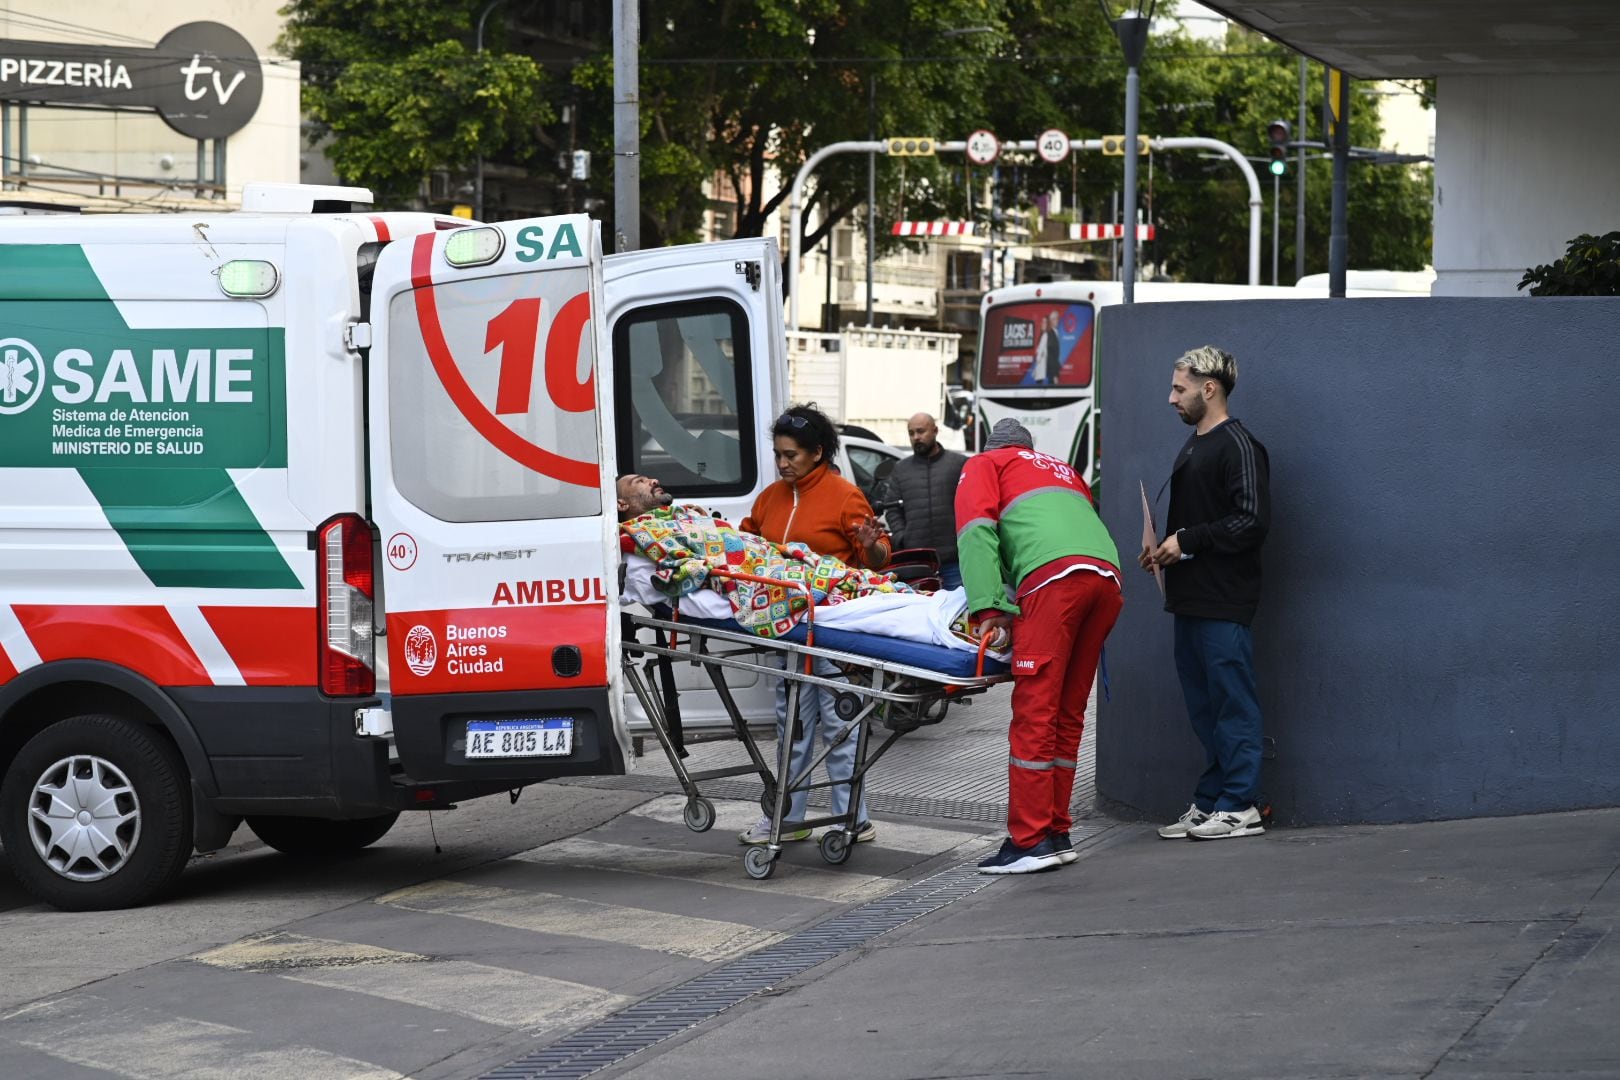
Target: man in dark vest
925 484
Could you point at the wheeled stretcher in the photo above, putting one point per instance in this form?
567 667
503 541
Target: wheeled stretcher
893 682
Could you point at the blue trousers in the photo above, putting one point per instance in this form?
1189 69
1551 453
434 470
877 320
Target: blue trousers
818 718
1215 659
950 575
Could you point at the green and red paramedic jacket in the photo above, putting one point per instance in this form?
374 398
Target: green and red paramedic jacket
1022 519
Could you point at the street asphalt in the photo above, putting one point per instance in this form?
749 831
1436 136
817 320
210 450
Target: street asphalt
1481 948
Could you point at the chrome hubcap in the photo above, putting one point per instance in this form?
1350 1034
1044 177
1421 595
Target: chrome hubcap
84 818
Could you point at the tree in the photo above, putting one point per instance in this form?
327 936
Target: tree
400 93
1590 267
748 89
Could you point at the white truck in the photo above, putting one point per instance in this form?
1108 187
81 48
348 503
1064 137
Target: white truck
308 513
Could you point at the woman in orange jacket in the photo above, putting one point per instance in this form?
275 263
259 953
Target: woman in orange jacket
815 506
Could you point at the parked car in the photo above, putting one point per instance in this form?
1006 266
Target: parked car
870 463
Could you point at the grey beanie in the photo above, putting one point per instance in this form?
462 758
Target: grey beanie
1009 432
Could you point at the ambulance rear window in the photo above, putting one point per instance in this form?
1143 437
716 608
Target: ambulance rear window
498 423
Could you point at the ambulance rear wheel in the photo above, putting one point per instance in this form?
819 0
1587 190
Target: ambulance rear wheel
318 836
95 814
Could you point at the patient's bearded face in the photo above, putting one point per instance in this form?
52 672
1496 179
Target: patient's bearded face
639 494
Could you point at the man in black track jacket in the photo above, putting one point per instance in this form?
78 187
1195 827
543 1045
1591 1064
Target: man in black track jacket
1220 510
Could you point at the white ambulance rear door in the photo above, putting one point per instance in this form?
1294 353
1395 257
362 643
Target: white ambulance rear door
699 375
488 413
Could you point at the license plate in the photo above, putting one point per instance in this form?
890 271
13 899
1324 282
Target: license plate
550 736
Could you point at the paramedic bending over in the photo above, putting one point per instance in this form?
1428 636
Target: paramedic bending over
815 506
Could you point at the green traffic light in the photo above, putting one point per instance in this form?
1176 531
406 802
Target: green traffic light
1278 168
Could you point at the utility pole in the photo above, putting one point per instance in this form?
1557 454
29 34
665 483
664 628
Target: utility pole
1132 31
871 191
627 124
1338 107
478 165
1299 181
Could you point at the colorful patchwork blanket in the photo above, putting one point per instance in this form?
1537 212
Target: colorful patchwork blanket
685 543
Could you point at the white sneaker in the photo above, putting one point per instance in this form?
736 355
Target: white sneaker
1179 828
1229 823
761 833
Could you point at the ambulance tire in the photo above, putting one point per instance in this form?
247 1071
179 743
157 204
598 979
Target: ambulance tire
128 766
316 837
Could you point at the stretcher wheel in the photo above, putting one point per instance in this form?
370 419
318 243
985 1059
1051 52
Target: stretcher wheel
767 800
835 846
760 862
846 705
699 815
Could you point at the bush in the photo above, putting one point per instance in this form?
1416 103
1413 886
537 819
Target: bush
1591 267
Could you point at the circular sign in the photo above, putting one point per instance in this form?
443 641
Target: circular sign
1053 146
983 147
402 551
206 80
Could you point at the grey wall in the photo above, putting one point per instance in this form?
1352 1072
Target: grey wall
1438 632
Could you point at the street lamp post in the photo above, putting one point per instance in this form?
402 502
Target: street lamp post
1276 220
478 165
1132 31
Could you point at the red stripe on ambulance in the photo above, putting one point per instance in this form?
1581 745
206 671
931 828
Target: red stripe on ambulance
8 670
142 638
508 648
382 229
271 646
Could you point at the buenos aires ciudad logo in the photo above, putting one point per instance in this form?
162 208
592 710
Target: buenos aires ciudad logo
22 375
421 650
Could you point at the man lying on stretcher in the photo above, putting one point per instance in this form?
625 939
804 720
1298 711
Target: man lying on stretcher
672 549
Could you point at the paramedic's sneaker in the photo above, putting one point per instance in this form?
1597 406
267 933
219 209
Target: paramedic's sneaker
761 833
1179 828
1224 824
1012 859
1064 848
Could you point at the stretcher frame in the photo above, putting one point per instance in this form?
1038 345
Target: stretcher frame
901 695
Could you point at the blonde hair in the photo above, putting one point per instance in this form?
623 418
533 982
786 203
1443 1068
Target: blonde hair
1208 362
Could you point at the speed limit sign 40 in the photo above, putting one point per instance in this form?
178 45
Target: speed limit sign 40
1053 146
982 147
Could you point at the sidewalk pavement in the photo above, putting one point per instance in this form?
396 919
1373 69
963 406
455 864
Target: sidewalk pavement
1479 948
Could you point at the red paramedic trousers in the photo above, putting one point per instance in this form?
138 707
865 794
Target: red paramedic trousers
1057 641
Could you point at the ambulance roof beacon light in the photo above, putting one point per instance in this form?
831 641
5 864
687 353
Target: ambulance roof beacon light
474 247
248 278
1280 132
348 642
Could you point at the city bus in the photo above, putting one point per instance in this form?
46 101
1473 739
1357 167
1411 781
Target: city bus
1039 351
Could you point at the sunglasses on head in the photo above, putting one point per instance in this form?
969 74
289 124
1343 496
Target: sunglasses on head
792 421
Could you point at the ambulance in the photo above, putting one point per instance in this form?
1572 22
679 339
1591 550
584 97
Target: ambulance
308 513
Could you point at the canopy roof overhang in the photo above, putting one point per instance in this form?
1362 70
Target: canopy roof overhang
1400 39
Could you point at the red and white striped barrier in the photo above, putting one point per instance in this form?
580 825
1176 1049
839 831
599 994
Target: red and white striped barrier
932 228
1107 232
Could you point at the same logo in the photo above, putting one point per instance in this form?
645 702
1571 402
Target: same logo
22 375
421 650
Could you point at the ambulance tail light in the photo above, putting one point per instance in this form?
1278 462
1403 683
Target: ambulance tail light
348 642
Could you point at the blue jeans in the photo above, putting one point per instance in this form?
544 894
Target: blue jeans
1215 659
817 716
950 575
